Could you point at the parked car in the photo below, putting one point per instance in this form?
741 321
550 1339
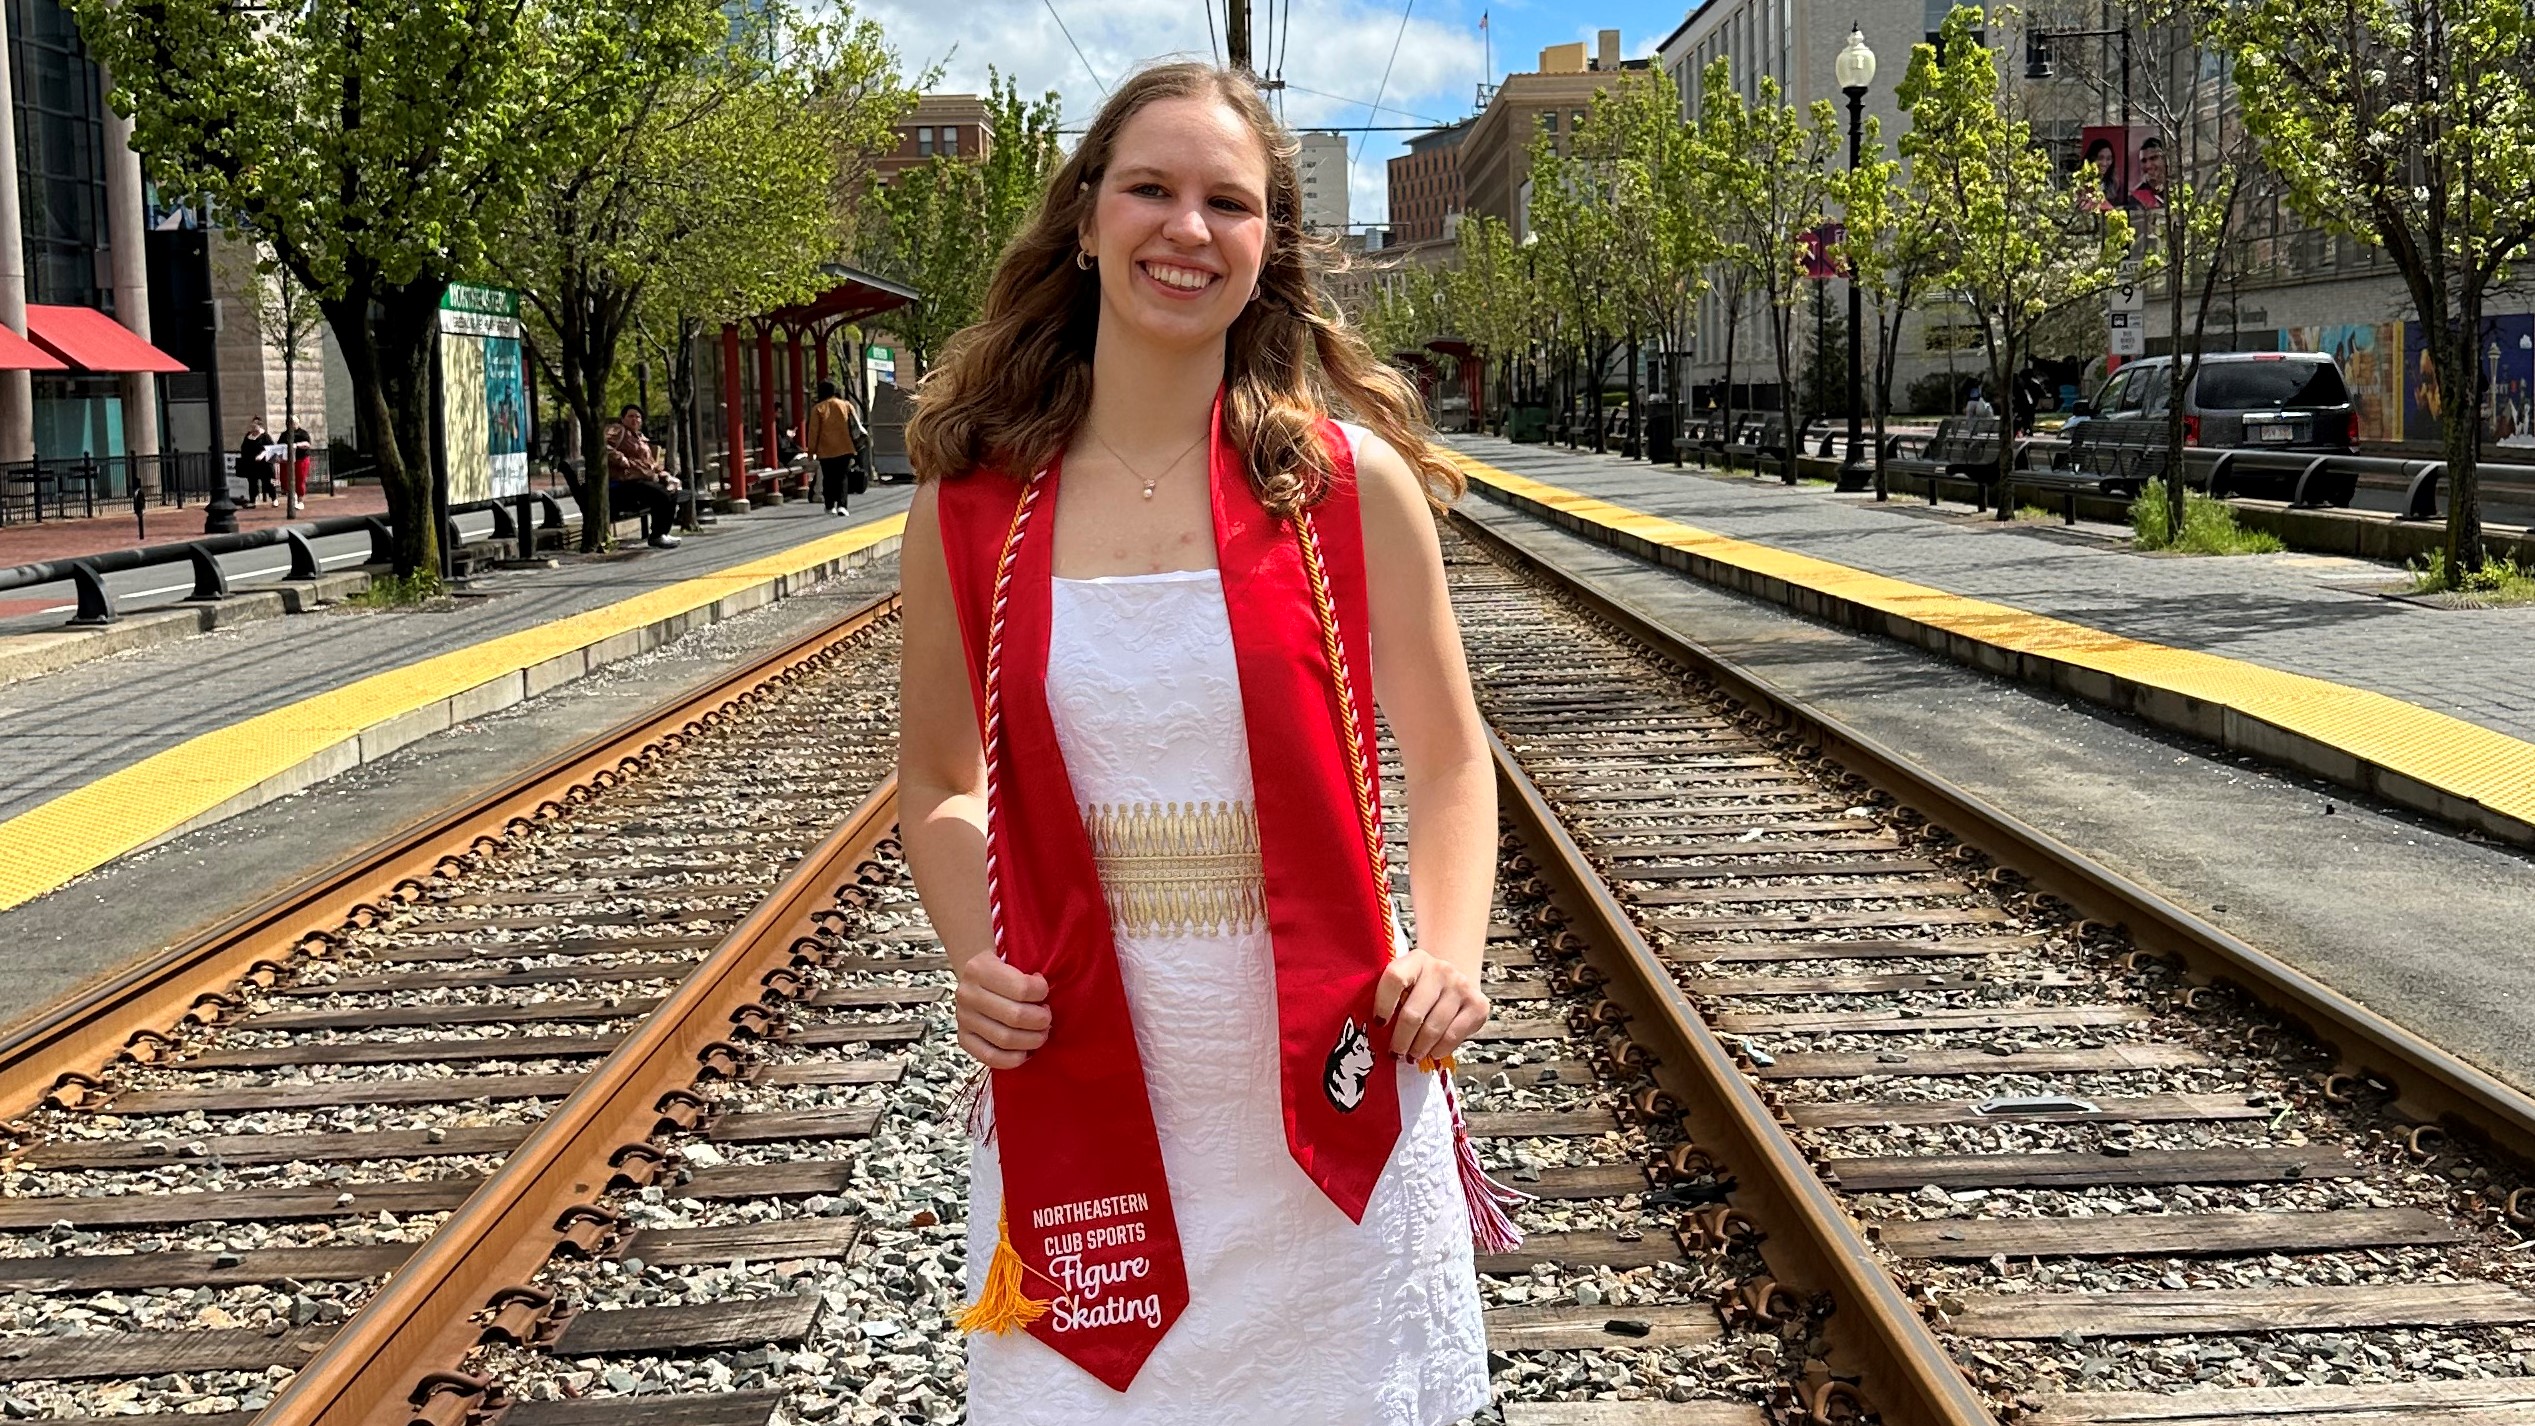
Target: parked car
2280 401
2264 400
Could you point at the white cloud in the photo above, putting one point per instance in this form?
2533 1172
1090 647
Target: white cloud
1332 46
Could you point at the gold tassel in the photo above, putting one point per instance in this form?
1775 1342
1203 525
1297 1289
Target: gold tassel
1001 1305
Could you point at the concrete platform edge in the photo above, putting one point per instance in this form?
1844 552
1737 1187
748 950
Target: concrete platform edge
24 656
385 737
2227 727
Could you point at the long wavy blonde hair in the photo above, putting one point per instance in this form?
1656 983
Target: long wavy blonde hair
1009 393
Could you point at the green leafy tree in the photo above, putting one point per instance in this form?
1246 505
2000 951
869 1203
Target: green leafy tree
2408 125
2022 241
1761 176
2207 159
1402 312
1891 249
1575 224
371 144
1485 295
1634 131
941 226
713 181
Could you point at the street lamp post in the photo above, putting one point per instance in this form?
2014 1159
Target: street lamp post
1855 69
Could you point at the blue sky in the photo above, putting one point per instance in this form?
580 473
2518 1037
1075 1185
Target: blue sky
1334 52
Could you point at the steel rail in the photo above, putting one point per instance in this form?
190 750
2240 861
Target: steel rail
2427 1083
395 1361
1810 1243
62 1051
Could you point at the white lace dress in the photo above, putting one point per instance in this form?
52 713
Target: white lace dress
1295 1314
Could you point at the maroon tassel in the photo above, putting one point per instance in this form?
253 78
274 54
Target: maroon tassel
1492 1230
974 1107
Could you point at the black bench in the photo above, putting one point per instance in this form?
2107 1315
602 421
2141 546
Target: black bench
1962 448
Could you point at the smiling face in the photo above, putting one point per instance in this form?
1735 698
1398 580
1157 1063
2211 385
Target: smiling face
1180 224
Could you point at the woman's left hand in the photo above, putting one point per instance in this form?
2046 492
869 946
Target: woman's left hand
1432 1006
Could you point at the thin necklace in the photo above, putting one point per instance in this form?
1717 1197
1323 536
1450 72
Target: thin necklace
1150 481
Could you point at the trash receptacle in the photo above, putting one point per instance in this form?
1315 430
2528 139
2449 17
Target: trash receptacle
1659 431
1527 423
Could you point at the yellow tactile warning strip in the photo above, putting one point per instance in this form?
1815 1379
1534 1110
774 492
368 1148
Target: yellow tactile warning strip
131 807
2446 756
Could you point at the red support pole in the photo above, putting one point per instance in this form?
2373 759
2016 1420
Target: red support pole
766 395
824 339
800 395
734 433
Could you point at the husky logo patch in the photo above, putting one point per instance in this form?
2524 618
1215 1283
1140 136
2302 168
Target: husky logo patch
1350 1067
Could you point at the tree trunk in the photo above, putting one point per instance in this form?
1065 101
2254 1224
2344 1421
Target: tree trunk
1782 336
1600 357
2460 377
2177 501
2001 366
1636 412
388 354
1725 402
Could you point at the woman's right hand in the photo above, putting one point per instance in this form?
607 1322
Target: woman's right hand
1003 1014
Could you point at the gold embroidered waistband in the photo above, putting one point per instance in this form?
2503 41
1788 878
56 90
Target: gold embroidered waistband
1174 868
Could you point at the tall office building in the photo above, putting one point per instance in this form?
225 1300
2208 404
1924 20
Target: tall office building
1323 168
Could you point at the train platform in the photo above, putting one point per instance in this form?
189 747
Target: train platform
114 755
2301 660
2421 924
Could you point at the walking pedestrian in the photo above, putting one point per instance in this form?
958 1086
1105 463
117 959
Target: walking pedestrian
637 481
1220 1178
254 466
301 453
831 436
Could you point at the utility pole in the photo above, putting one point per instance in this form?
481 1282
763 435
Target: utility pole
1236 34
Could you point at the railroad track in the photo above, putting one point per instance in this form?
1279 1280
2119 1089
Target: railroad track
2014 1140
576 1104
280 1169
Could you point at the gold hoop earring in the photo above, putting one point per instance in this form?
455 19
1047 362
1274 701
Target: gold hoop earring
1083 259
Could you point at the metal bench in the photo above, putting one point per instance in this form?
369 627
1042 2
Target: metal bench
1961 448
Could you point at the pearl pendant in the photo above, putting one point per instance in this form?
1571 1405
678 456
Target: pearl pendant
1148 489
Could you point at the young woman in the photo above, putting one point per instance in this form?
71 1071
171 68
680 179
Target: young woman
1153 596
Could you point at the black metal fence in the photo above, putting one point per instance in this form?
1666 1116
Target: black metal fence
77 487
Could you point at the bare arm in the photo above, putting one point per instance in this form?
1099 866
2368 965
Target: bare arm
942 804
1423 685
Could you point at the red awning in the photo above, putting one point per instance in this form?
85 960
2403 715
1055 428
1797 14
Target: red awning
19 354
88 338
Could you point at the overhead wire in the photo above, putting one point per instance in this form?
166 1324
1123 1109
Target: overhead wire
1078 49
1371 110
1213 48
1358 103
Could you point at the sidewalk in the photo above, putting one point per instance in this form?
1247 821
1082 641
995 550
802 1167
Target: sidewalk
25 542
2285 656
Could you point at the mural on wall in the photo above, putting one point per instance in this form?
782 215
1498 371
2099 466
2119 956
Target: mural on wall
2508 375
2365 352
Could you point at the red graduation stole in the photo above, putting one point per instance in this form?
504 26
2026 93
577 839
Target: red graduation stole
1087 1210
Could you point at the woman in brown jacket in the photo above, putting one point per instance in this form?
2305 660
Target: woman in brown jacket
829 435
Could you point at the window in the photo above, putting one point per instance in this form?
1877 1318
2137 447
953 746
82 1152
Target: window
924 141
950 140
61 157
1549 121
2268 385
2121 393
